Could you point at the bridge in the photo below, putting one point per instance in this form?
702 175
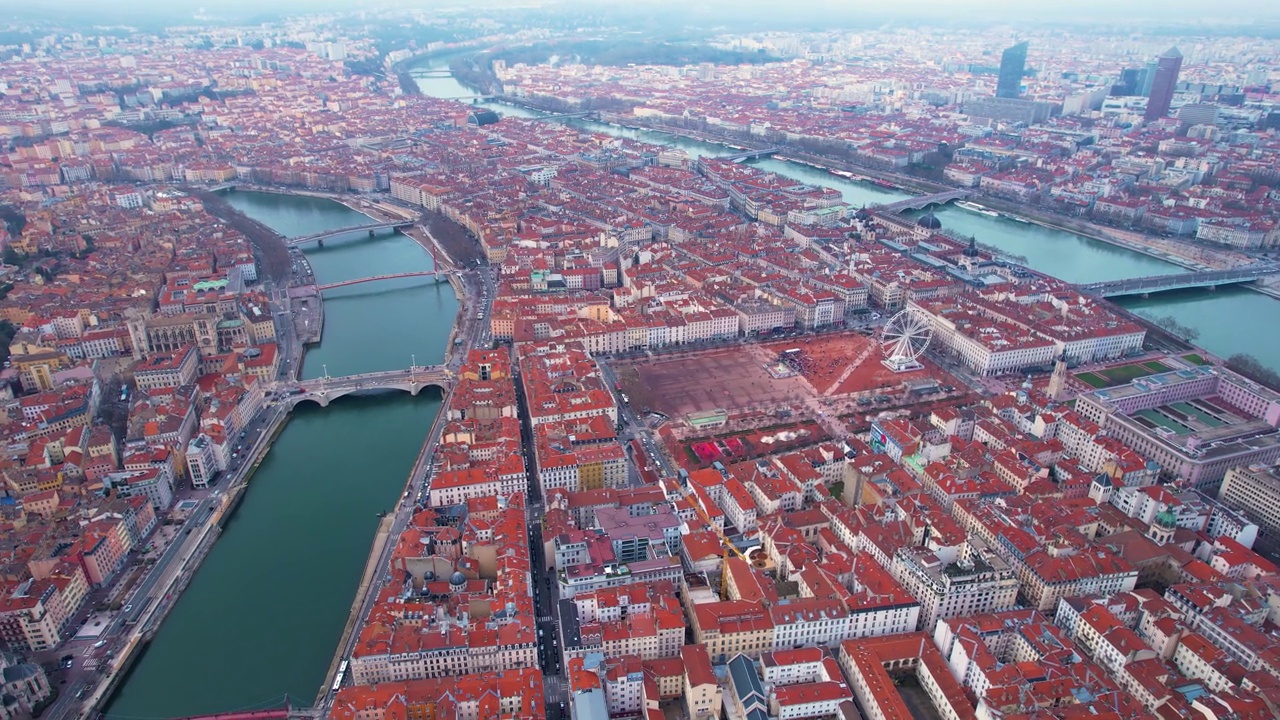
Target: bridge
287 711
566 116
1177 281
325 389
921 202
437 274
750 154
431 73
371 227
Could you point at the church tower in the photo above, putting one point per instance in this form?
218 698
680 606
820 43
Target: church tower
1058 381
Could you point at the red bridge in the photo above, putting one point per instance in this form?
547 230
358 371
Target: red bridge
425 273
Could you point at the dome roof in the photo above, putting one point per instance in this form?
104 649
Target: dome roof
930 221
457 578
1166 519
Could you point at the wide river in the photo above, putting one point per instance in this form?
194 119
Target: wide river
1230 320
264 613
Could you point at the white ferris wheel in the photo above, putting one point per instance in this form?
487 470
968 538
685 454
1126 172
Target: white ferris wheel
904 339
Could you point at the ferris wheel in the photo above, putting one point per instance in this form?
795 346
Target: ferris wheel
904 339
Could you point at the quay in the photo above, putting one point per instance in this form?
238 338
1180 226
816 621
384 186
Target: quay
163 585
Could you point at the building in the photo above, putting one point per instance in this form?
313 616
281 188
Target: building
203 461
949 584
703 695
171 369
1255 491
1013 64
24 686
1195 423
868 662
1014 110
155 483
1163 84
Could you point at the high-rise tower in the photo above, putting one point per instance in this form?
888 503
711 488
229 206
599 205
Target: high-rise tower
1013 62
1163 84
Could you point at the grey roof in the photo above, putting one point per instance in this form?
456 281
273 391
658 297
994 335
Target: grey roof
747 685
17 673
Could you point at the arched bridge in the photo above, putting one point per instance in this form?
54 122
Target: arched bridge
371 227
1178 281
323 390
439 275
921 202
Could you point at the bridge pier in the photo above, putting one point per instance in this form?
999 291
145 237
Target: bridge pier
320 242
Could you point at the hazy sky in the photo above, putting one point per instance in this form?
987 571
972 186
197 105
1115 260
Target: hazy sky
1073 10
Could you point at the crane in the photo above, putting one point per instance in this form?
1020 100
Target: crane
729 547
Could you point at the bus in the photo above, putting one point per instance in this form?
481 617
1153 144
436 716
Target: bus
337 680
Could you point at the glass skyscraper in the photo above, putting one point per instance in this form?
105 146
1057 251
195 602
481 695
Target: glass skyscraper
1013 63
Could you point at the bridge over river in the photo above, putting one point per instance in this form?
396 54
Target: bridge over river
322 236
325 389
1178 281
437 274
921 202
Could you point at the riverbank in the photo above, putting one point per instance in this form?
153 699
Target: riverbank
1190 255
309 520
172 582
270 248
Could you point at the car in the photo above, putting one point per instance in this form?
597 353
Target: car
128 607
100 643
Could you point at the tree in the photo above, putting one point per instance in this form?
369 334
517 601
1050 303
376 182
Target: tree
7 331
1253 368
1171 324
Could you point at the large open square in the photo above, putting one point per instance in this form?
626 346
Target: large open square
728 378
834 370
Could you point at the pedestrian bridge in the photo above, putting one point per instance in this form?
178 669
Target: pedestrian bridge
324 390
921 202
285 711
437 274
371 227
1177 281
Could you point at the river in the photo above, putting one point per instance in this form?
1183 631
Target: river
264 613
1228 321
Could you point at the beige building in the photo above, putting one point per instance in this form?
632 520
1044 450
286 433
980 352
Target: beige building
1255 491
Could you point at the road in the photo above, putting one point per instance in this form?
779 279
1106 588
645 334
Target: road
148 597
144 604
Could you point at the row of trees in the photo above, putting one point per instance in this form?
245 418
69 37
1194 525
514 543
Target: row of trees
1171 324
1253 368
